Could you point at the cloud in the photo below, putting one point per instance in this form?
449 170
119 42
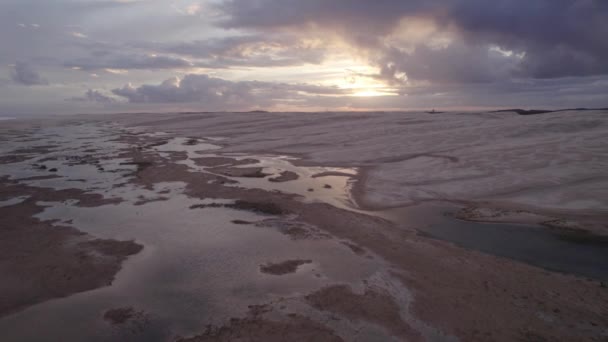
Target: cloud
374 17
78 34
246 50
557 38
191 9
25 74
96 96
103 60
455 63
219 94
436 53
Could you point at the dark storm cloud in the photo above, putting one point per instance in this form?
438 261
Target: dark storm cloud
559 37
215 92
435 53
372 16
457 63
25 74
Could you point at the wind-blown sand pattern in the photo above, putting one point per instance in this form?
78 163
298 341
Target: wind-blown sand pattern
275 226
414 157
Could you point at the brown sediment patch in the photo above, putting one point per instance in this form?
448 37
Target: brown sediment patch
223 180
245 172
141 164
223 161
82 160
582 226
178 156
39 167
268 208
353 247
155 144
293 328
285 176
47 159
41 261
580 236
332 173
241 222
210 205
191 142
111 247
296 230
36 150
38 262
282 268
199 185
11 188
143 200
14 158
35 178
579 231
127 318
371 306
487 214
120 316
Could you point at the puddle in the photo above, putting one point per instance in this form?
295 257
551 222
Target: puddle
530 244
82 156
330 185
314 184
197 267
13 201
191 146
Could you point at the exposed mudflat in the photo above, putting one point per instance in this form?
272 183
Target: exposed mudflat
370 306
256 328
143 235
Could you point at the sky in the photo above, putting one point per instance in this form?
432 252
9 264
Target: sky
98 56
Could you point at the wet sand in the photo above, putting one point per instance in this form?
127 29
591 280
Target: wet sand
335 271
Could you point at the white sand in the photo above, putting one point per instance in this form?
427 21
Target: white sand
551 161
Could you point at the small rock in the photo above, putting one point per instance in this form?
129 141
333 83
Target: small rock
53 170
327 186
